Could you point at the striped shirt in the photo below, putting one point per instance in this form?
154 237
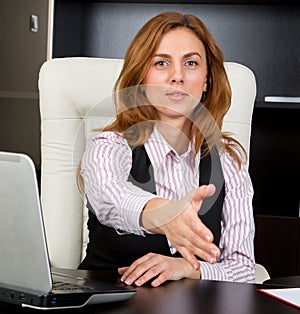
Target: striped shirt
118 203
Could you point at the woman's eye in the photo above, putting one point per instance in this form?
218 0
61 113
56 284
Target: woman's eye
161 63
191 63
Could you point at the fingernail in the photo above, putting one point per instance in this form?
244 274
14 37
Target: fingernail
211 261
128 281
214 253
207 237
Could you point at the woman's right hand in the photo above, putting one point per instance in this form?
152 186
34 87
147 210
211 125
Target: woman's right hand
180 223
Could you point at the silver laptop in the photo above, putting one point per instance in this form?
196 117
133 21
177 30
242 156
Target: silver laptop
26 277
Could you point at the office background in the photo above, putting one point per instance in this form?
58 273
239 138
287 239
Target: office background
265 37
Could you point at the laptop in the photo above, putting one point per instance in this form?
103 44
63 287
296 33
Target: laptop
26 277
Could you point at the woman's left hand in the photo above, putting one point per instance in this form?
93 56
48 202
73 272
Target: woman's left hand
157 266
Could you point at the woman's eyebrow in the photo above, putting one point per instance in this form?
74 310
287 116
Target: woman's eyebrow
187 55
191 54
162 55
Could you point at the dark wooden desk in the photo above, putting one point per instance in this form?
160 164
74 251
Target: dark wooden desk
183 297
288 281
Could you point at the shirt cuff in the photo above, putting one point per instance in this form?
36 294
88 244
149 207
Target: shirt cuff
131 209
212 272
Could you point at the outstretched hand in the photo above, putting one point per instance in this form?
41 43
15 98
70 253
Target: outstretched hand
180 223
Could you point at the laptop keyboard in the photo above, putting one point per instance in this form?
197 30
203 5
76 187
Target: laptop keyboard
59 285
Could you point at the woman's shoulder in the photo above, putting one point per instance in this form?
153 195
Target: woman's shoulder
232 155
108 139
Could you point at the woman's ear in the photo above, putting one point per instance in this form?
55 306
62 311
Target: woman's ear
204 93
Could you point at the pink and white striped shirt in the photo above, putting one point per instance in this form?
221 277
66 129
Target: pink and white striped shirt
118 203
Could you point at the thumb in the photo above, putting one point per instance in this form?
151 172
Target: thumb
201 193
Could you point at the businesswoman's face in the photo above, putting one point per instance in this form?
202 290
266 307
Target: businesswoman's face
177 75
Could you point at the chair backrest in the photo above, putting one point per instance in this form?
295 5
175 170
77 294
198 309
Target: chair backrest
75 97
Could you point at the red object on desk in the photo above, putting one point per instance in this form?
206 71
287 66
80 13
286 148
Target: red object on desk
288 295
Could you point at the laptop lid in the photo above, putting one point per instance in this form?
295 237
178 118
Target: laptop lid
25 272
24 258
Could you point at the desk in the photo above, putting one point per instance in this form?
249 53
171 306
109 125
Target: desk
183 297
289 281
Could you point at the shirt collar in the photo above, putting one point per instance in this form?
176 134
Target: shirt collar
157 143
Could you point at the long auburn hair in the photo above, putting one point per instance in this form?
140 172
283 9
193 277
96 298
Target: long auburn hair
133 120
137 62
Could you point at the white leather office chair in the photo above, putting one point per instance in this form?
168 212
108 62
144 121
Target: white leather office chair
75 97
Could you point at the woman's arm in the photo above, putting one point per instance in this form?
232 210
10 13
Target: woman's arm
119 204
105 168
236 262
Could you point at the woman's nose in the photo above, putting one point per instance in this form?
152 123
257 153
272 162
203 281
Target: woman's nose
177 75
177 81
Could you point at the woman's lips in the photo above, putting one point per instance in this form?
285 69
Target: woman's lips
176 95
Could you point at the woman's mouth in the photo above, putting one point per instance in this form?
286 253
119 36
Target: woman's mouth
176 95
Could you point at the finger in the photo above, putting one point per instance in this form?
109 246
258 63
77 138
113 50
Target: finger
211 190
194 262
194 242
122 270
134 265
208 256
129 276
191 217
206 250
197 232
138 268
190 232
201 193
148 275
198 248
189 257
187 225
159 280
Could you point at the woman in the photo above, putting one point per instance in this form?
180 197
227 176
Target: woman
148 173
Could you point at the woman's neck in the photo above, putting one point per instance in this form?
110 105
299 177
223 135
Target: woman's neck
176 135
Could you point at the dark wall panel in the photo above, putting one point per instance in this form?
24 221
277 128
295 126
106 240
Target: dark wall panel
263 38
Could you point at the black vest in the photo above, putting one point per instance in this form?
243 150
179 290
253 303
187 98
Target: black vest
108 250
